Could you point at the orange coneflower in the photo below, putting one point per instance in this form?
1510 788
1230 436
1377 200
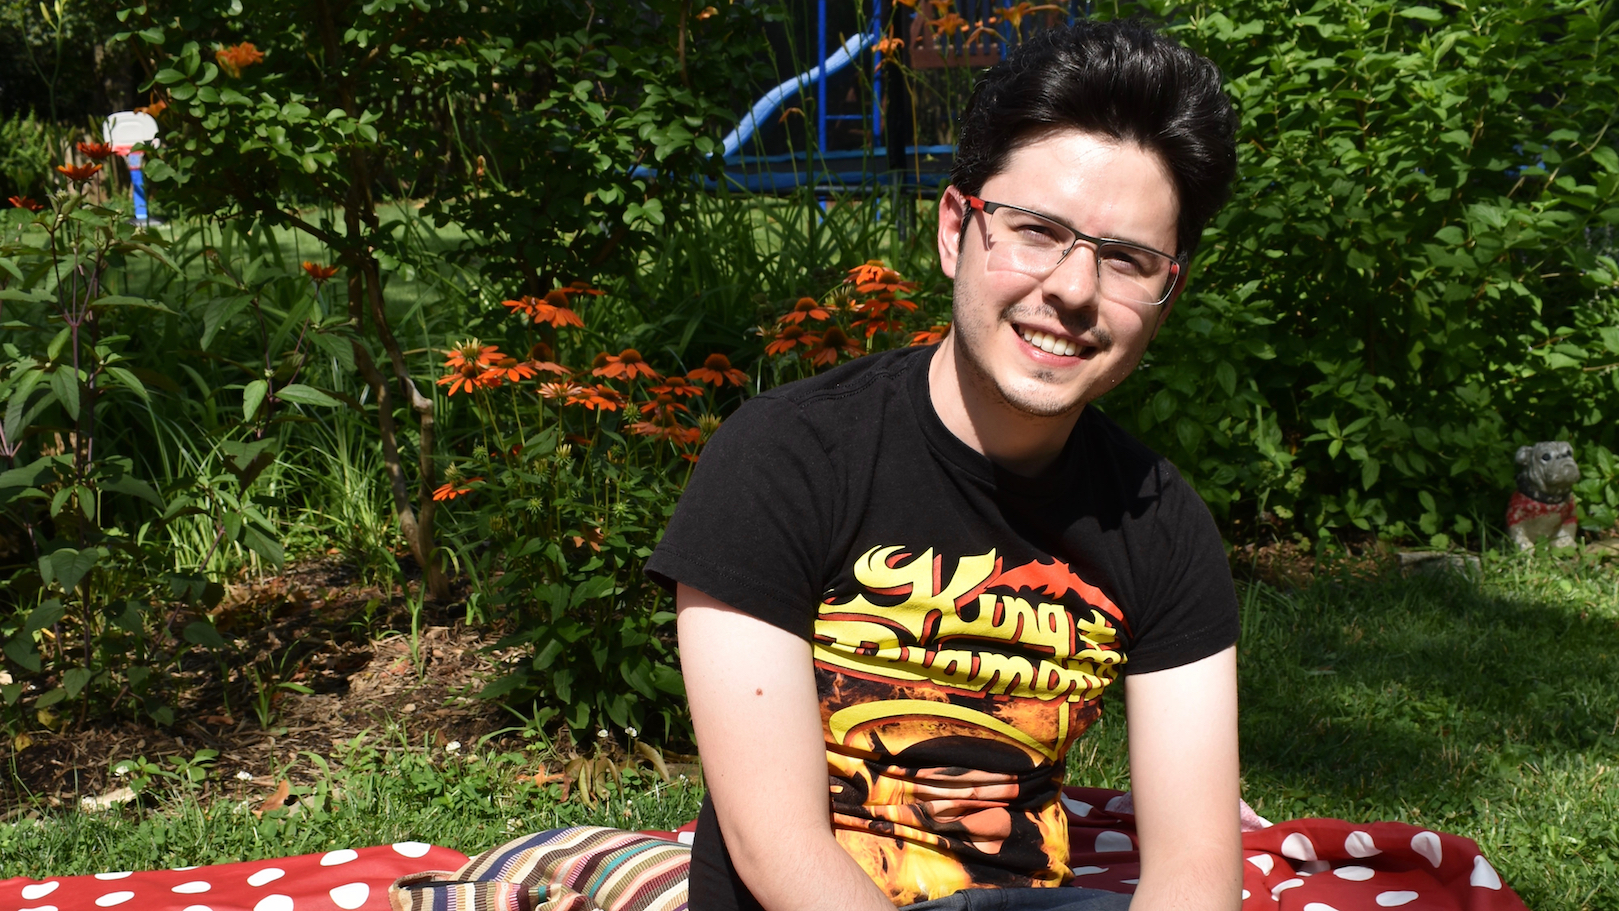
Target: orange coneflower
553 309
79 173
627 364
790 337
450 489
664 405
594 398
559 389
808 308
540 357
831 345
507 369
717 369
468 363
319 272
154 109
23 202
95 151
874 275
238 57
931 336
873 313
676 386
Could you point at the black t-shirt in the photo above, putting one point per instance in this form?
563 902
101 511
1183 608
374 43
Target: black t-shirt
965 620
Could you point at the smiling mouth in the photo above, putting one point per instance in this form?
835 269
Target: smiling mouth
1051 344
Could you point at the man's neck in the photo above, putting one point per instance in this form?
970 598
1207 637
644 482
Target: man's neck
976 414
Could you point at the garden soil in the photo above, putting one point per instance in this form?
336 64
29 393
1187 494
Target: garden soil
315 626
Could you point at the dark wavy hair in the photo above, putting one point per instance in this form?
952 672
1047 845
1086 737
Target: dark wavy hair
1118 78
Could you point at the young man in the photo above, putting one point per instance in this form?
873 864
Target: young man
904 585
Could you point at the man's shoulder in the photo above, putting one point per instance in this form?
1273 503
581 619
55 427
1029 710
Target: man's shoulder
1137 467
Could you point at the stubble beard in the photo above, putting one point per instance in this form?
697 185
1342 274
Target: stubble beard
1032 403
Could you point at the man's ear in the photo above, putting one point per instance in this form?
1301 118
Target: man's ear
952 213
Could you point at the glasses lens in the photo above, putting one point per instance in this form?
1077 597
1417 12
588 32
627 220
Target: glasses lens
1133 274
1024 242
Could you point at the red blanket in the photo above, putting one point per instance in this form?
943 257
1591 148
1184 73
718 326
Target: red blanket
1300 865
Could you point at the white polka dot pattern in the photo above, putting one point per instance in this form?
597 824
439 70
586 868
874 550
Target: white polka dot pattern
1427 844
343 856
274 903
40 908
1484 875
113 898
266 875
192 888
350 896
1108 842
1360 844
1298 847
39 890
1395 899
1264 862
411 848
1319 906
1088 871
1354 874
1281 887
197 908
122 874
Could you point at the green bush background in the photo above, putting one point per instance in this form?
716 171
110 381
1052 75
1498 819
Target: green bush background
1415 276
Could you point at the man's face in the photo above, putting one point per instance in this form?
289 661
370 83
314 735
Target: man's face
1004 321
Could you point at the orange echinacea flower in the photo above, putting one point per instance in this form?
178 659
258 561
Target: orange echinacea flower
79 173
450 490
627 364
319 272
23 202
932 336
717 369
835 342
808 308
507 369
676 386
238 57
468 363
95 151
594 398
790 337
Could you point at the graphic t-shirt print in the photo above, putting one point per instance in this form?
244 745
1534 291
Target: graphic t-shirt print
950 689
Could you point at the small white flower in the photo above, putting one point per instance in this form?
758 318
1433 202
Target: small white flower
452 746
602 734
244 775
632 732
5 678
121 770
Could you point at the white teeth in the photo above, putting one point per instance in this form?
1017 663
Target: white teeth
1049 343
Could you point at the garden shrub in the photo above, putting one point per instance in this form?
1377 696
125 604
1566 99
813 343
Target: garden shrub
1409 281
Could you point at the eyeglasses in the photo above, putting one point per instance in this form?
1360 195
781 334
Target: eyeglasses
1024 241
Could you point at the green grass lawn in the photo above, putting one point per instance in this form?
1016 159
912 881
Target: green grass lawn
1487 708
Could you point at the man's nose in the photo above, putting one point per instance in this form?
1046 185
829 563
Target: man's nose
1075 280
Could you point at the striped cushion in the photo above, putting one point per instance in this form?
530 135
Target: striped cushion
584 868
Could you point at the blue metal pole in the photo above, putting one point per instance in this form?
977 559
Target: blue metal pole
820 83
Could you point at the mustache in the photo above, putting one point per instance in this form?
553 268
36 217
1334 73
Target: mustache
1075 324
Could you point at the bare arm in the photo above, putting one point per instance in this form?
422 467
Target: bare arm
1183 776
758 724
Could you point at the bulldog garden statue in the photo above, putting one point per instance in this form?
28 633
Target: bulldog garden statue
1543 504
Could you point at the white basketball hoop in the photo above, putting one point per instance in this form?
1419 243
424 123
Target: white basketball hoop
127 129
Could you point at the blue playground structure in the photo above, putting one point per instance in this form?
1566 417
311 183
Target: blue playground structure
889 158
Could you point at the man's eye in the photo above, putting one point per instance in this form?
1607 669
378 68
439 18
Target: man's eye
1032 229
1126 259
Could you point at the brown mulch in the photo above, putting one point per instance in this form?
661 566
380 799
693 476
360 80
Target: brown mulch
315 626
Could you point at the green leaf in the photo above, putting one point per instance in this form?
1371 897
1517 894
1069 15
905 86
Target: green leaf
252 397
67 567
1425 13
64 382
74 680
135 487
120 300
203 633
129 381
21 650
300 394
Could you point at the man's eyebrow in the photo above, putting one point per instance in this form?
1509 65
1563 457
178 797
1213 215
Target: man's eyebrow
1055 220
